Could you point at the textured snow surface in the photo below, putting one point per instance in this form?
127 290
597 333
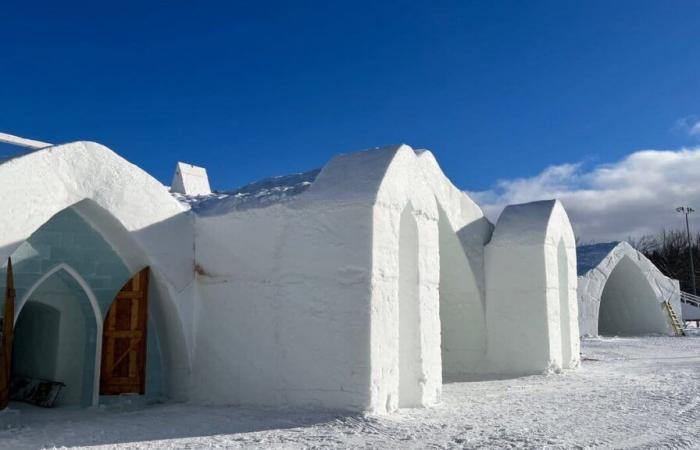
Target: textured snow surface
254 195
629 393
589 256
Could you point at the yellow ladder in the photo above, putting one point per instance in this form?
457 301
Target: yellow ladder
675 322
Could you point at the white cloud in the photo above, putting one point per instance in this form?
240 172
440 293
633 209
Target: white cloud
689 125
695 129
635 196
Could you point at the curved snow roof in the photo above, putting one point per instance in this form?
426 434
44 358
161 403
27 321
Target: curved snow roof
612 253
38 184
532 224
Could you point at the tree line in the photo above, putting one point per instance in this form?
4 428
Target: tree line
668 250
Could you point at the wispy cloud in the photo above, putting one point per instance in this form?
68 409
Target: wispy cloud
689 125
634 196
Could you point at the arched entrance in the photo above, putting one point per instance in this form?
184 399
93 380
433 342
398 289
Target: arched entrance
127 208
58 333
123 366
69 280
628 304
59 336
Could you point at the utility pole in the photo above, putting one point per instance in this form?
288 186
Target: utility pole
687 210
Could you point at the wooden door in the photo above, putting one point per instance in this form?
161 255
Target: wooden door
6 336
124 339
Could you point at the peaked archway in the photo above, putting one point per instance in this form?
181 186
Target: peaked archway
628 304
88 252
58 333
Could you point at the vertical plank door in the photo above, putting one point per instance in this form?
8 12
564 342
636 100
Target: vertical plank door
124 339
7 336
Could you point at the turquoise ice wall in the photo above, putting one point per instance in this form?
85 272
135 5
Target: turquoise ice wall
69 239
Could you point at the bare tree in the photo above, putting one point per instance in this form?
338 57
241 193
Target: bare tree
668 250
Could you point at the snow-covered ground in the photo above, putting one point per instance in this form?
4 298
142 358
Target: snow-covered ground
629 393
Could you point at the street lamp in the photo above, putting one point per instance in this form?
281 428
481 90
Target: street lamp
687 210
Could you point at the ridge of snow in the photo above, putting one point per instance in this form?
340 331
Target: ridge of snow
258 194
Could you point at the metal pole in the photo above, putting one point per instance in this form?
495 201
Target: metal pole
690 253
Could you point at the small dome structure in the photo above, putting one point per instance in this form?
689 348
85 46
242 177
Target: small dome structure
621 292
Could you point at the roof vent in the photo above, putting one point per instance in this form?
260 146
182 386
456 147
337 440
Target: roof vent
190 180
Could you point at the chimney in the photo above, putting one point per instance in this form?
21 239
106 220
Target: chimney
190 180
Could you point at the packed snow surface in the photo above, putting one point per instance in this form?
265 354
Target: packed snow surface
589 256
254 195
629 393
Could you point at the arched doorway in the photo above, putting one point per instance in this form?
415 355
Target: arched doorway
124 343
66 259
628 304
58 332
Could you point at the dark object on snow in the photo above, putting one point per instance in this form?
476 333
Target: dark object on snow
35 391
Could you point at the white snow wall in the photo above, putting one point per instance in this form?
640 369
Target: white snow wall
314 302
532 313
624 293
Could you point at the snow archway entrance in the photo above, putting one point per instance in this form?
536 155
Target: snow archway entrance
59 335
79 257
620 292
628 305
132 211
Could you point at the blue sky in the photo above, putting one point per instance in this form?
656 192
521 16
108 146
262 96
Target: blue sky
498 90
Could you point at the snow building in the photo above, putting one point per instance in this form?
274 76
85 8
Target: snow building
359 286
621 292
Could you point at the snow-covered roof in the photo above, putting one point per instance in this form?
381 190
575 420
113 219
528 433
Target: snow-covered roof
346 177
254 195
589 256
97 182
